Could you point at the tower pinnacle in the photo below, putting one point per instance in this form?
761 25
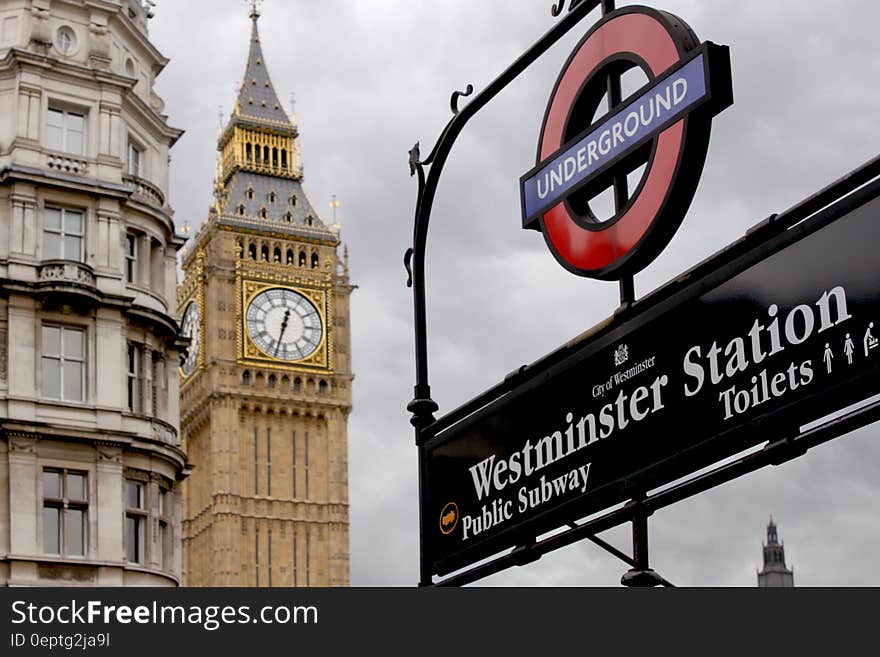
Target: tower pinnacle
774 573
260 171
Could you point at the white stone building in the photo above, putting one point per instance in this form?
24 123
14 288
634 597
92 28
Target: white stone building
90 457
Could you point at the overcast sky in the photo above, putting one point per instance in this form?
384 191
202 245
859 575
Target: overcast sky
371 77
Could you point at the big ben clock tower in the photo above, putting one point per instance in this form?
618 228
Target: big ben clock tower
266 384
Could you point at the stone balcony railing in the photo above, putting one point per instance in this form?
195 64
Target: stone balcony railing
145 191
67 164
66 271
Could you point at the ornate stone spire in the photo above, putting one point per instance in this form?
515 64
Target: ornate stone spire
259 181
257 98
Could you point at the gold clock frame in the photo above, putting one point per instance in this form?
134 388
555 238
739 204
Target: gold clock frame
193 291
321 298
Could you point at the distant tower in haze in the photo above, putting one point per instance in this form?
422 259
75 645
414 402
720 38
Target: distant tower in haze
775 573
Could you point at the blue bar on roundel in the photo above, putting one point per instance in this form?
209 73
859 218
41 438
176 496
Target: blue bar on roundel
630 127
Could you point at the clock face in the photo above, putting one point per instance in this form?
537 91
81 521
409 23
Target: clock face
284 324
190 329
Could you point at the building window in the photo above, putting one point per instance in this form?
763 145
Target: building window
63 234
158 388
250 193
65 40
135 160
65 507
135 521
66 131
314 261
64 367
272 197
133 374
164 537
130 258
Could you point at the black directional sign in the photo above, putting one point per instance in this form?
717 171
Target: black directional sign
781 335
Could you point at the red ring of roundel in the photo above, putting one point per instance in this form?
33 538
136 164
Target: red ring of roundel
601 251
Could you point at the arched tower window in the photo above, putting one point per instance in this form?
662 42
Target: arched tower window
274 157
246 378
309 220
266 155
272 196
277 254
297 384
283 158
250 193
257 154
289 256
271 381
288 217
293 200
241 210
302 258
252 251
314 261
249 152
322 388
264 213
264 253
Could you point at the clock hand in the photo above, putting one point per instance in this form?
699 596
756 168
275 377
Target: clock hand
283 329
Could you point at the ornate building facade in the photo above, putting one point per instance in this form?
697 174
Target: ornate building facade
266 387
90 456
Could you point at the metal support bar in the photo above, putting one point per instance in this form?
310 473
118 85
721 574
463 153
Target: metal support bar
625 558
640 575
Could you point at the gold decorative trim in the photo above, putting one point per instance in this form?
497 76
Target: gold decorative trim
192 290
319 292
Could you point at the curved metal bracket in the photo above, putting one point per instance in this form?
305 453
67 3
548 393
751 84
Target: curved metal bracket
453 102
407 263
557 7
427 183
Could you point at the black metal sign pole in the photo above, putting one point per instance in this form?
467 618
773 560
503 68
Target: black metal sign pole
423 406
640 574
621 193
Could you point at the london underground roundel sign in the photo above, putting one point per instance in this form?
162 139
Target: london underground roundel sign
663 127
